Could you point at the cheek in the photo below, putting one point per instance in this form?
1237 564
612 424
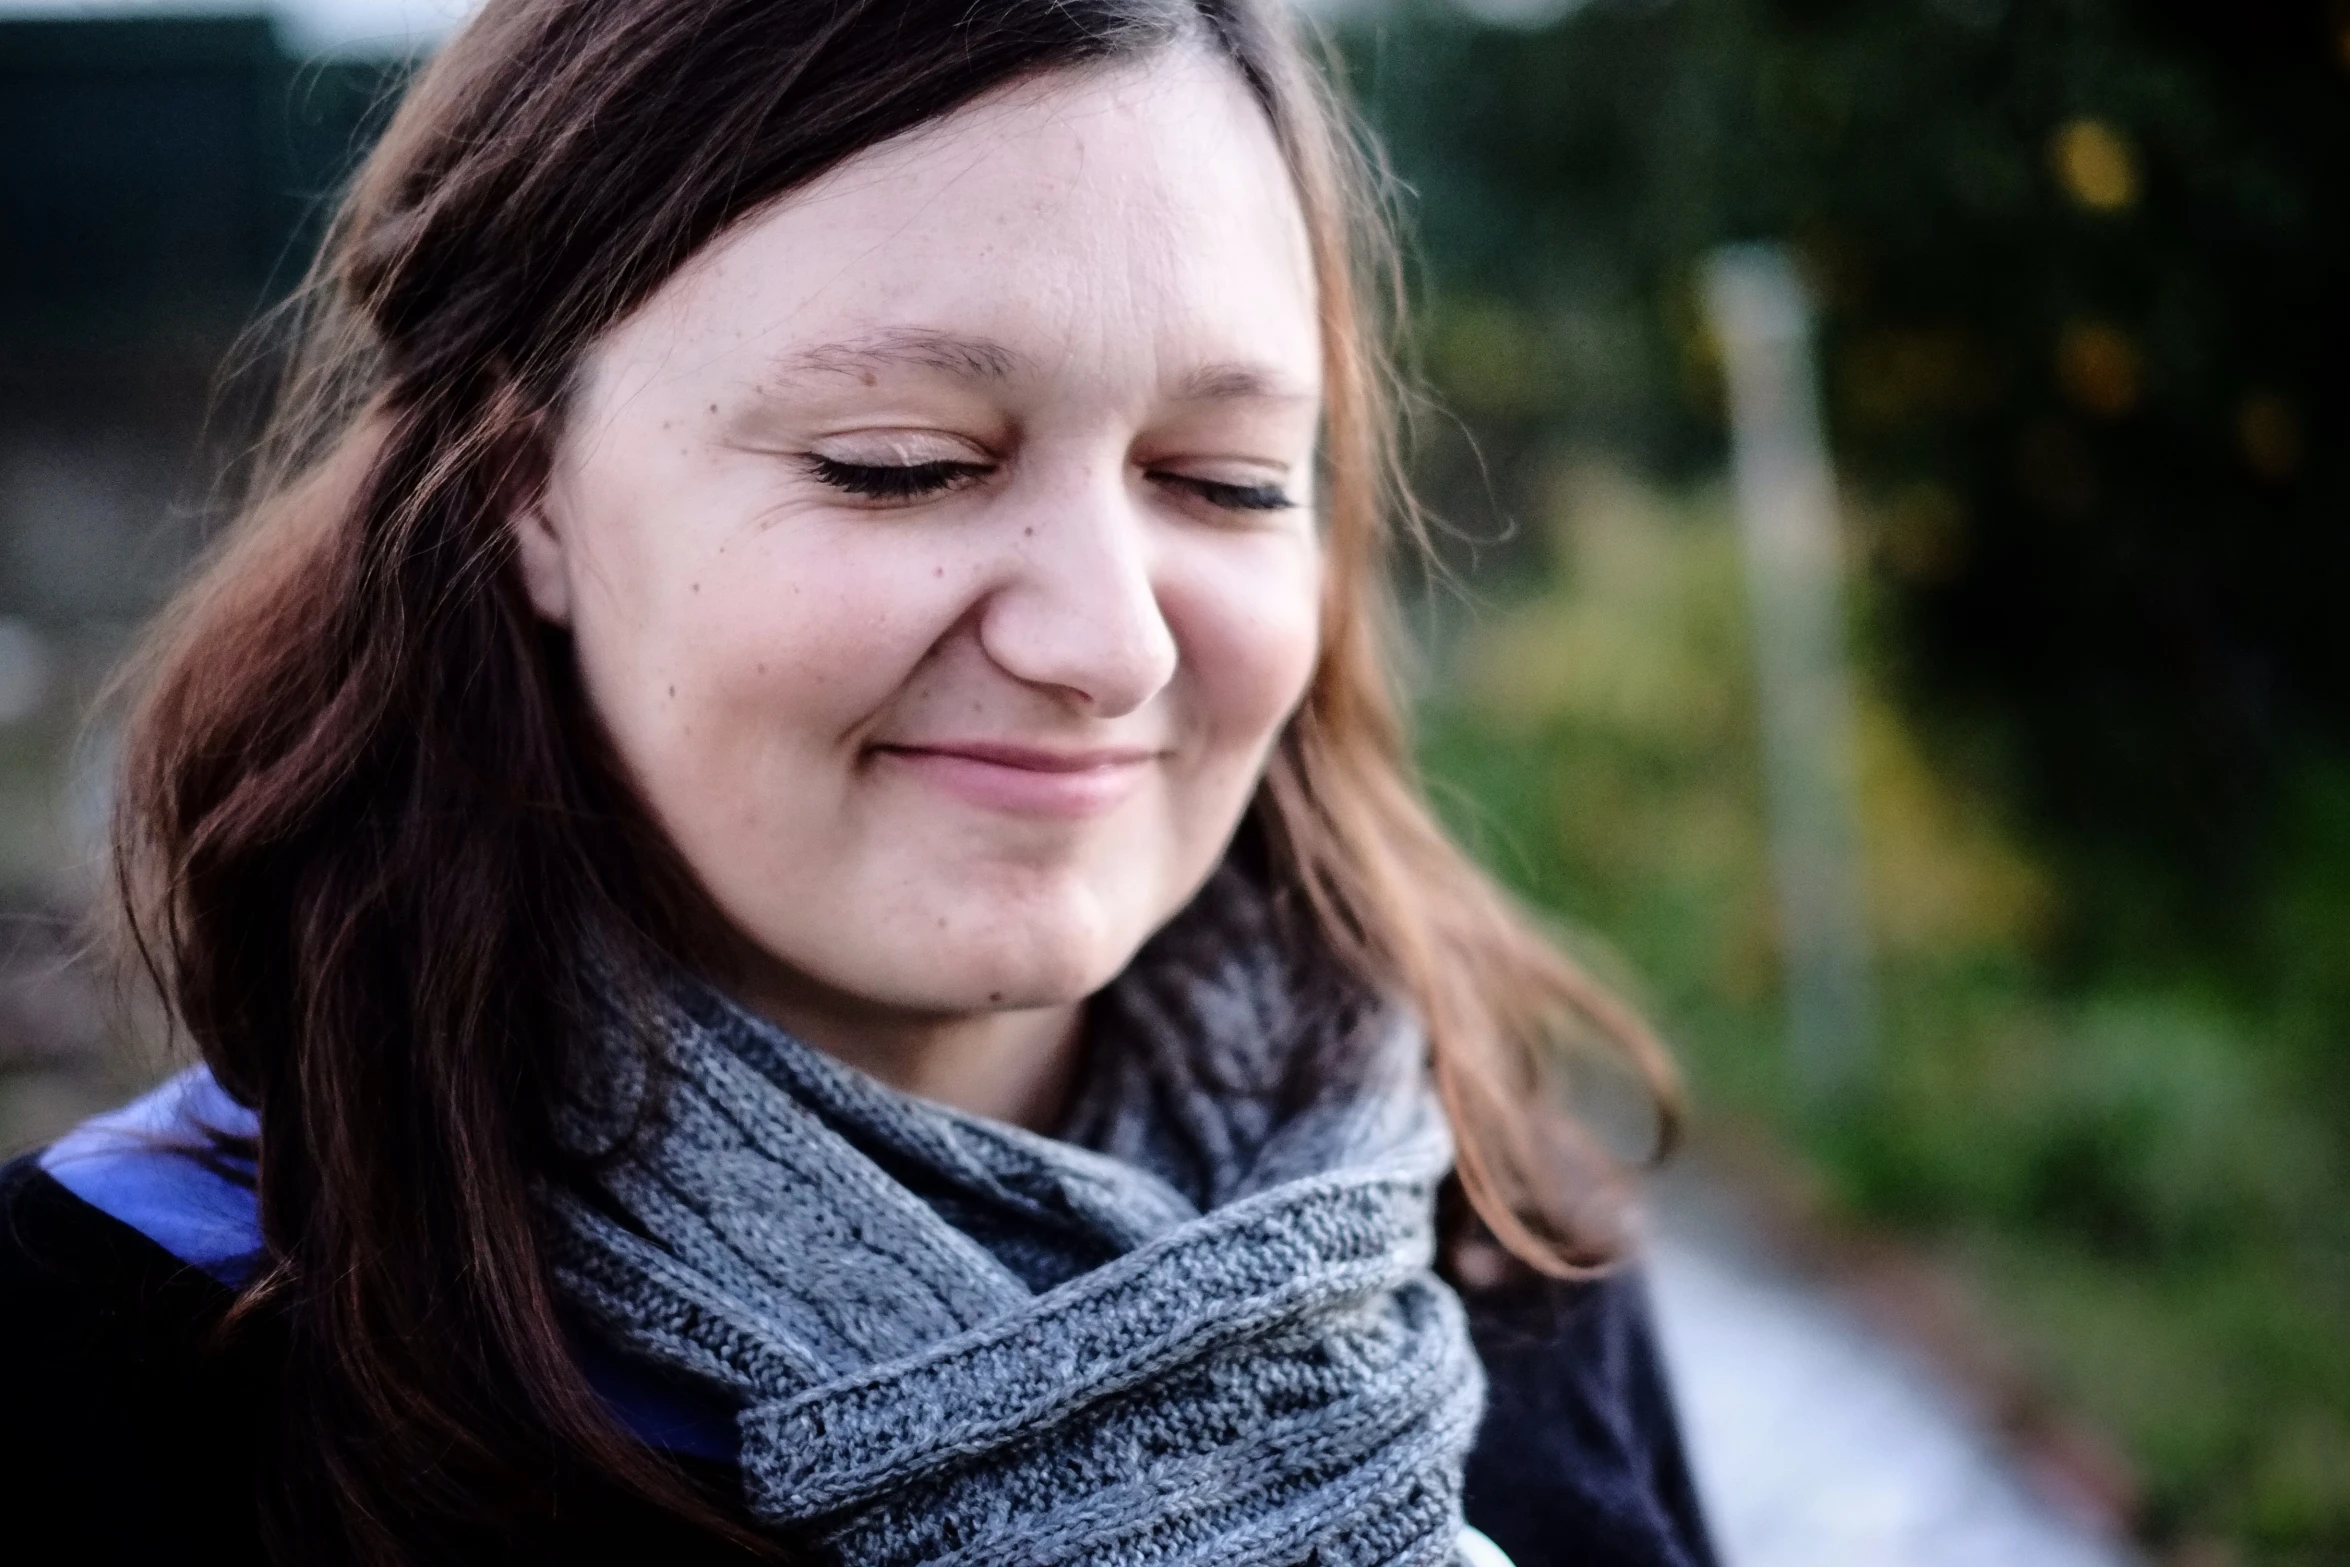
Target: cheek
731 663
805 641
1249 620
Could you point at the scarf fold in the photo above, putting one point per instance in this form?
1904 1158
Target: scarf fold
1202 1329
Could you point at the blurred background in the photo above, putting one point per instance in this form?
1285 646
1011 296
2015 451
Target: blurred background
1889 460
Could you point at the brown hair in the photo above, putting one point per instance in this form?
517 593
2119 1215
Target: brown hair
366 826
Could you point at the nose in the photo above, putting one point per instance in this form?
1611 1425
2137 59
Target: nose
1077 610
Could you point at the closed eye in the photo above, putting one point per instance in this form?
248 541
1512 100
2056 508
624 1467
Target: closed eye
1231 497
895 481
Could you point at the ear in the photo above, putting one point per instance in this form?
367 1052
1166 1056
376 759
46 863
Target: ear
540 554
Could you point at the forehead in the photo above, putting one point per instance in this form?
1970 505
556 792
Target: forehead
1135 222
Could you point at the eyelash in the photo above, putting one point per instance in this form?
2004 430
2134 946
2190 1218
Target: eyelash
1233 497
895 482
914 481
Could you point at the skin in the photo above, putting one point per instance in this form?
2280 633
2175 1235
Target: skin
944 753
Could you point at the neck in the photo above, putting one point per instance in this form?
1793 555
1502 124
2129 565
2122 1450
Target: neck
1017 1066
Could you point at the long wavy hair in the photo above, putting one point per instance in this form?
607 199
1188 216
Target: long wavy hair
367 826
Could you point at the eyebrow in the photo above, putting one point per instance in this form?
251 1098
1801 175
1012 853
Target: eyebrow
1237 381
968 358
984 359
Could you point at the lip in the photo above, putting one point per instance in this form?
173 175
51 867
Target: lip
1026 780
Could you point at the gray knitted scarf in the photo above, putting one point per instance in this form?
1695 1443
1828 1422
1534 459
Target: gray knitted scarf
1201 1328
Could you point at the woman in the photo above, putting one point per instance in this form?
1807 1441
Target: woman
782 836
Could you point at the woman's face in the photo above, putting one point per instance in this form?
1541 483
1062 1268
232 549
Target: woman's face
939 546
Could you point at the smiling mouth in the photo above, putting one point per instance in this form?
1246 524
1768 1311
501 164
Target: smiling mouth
1025 780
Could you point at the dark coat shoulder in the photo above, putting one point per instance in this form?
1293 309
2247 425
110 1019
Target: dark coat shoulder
129 1430
1580 1461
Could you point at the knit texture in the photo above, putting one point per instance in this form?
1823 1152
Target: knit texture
1201 1328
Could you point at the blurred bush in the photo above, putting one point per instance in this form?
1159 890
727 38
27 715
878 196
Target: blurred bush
2142 1168
2081 265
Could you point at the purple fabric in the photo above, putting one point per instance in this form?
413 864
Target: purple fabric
152 1164
156 1165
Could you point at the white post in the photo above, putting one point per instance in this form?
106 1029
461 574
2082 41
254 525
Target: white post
1761 315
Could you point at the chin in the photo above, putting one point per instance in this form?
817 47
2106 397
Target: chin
1033 957
1045 975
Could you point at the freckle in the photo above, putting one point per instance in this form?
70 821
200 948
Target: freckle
697 587
995 995
673 691
713 407
1028 533
762 669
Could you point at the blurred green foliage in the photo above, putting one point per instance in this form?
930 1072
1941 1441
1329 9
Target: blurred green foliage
167 177
2144 1172
2080 267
